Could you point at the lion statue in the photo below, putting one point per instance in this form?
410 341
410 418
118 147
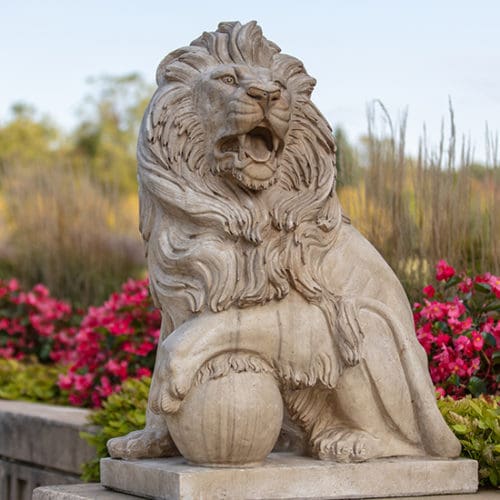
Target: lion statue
248 248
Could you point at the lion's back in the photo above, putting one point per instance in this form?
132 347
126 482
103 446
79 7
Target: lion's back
356 269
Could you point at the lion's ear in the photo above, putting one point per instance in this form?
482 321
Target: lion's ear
161 72
307 85
292 70
181 65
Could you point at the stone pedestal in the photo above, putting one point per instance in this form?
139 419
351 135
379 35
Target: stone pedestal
286 476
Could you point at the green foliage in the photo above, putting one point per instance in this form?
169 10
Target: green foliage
123 412
347 160
30 382
476 423
105 139
28 139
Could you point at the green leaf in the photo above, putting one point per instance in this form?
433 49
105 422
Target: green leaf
489 339
493 477
496 357
452 282
45 351
482 287
493 306
459 428
477 386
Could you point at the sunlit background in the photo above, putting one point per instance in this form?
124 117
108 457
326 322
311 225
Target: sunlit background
77 75
412 91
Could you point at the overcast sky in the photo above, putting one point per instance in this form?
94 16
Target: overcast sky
407 53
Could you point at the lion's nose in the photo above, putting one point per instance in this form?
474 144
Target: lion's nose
264 93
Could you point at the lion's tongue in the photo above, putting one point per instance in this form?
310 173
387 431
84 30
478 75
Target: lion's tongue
256 148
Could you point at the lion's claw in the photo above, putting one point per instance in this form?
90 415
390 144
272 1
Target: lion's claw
345 445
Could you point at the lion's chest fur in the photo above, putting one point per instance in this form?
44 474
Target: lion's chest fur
208 270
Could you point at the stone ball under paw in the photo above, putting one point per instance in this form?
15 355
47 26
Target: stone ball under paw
230 421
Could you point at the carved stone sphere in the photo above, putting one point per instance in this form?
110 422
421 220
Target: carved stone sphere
230 421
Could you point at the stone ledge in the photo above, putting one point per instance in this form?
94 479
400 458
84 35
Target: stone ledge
97 492
88 491
286 476
44 435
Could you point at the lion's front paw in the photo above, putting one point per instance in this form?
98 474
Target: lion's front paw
172 382
345 445
146 443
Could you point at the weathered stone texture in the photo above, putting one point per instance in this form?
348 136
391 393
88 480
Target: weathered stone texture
40 445
285 476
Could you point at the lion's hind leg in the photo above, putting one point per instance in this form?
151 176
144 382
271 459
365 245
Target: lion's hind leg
328 434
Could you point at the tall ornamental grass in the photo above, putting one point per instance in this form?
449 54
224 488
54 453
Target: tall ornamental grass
68 232
417 211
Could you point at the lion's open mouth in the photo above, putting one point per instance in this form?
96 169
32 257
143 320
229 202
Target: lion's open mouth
259 145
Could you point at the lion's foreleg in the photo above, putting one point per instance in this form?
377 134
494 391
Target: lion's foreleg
200 339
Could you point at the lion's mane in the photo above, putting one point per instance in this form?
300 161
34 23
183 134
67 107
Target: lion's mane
208 239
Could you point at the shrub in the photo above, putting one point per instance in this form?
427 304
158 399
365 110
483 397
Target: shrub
114 342
458 324
30 382
34 324
476 423
121 413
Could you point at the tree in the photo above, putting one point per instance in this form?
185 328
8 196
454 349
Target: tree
28 139
105 140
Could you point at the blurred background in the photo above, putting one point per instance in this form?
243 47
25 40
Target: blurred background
412 91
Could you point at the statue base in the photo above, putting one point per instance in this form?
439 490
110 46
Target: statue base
287 476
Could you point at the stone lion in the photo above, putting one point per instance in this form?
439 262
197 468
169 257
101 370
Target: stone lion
248 249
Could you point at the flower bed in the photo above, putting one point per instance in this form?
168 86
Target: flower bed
54 353
100 348
35 325
458 324
115 341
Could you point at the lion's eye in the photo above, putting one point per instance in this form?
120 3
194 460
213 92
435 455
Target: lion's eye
228 79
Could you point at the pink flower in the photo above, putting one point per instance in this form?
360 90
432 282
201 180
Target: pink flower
444 271
143 372
442 339
117 369
463 344
434 310
477 341
441 392
145 348
465 286
429 291
65 382
83 382
13 285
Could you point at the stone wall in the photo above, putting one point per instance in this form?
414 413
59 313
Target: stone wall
40 445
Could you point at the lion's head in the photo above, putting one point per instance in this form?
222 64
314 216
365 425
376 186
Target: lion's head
237 173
